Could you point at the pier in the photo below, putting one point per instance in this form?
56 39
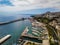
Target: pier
2 40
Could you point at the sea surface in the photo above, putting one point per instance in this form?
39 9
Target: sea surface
14 29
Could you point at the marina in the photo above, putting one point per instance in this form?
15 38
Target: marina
28 34
25 33
25 37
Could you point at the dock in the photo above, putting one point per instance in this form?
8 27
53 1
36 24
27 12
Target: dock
27 35
25 31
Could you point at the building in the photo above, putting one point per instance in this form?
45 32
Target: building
53 23
58 29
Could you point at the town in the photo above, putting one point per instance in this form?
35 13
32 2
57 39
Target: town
50 35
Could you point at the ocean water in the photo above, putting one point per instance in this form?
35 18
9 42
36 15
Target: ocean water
14 29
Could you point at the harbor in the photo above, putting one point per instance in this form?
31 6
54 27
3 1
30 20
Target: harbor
15 30
25 37
30 31
29 22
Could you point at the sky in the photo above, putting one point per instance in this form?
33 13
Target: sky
16 7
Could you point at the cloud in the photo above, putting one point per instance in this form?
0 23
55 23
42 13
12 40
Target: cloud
19 2
20 5
23 2
17 8
41 3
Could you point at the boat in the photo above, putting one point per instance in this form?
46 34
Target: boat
35 33
2 40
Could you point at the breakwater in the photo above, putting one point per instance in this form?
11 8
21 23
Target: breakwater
4 23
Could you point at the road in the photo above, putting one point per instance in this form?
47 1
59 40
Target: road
53 32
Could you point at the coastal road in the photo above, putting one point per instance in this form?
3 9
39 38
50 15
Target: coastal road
53 33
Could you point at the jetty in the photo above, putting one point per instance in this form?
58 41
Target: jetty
8 22
2 40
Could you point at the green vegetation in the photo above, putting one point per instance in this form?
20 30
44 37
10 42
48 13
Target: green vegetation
52 34
42 19
53 38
